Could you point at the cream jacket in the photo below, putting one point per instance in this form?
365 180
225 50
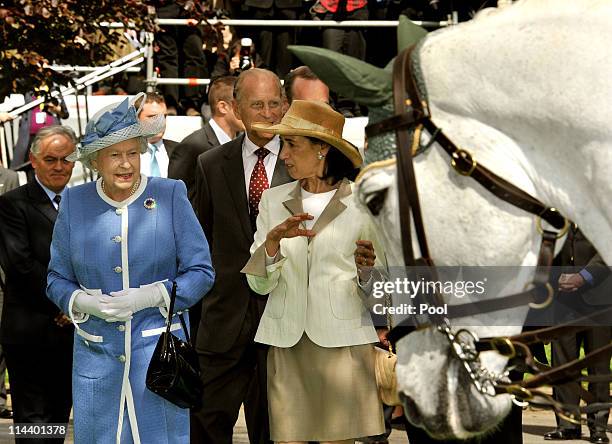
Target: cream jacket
313 287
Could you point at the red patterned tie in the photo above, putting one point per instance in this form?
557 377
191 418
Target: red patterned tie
257 185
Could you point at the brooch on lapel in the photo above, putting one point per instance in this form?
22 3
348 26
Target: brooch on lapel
150 203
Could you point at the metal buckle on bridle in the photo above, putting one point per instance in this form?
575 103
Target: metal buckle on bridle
463 162
504 347
550 292
562 232
519 393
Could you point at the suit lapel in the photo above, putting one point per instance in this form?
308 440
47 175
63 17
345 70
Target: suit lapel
280 175
294 204
211 137
334 208
233 170
331 211
169 145
40 201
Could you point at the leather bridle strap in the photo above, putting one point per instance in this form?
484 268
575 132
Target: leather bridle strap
410 110
404 101
539 295
465 165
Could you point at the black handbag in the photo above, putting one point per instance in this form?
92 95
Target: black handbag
174 372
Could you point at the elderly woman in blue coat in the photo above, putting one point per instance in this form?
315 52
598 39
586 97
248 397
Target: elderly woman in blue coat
119 244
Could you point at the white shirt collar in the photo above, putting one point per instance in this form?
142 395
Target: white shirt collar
222 136
113 203
158 144
49 193
273 145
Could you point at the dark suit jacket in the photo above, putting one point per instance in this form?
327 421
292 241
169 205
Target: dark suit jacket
184 157
27 217
577 254
170 145
221 206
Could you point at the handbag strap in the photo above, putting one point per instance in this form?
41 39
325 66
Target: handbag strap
180 315
171 308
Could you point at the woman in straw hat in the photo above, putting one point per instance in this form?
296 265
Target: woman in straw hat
321 382
119 245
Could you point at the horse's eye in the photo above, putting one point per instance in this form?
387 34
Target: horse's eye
375 201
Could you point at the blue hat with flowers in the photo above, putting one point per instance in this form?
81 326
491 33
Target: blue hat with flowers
116 123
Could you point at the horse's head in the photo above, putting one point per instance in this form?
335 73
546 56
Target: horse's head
436 390
527 91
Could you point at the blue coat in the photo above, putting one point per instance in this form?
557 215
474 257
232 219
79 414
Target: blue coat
104 245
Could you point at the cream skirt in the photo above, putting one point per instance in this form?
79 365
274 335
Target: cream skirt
322 394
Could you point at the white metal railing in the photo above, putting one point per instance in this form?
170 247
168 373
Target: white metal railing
296 23
130 62
78 68
98 74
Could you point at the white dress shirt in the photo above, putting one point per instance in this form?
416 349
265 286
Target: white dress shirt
222 136
249 159
49 193
162 159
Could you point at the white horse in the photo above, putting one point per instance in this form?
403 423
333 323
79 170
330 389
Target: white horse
528 91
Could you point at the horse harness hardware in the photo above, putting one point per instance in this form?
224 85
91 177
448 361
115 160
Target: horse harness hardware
412 111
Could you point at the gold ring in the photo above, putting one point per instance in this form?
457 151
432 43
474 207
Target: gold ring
521 393
561 233
549 297
466 156
499 343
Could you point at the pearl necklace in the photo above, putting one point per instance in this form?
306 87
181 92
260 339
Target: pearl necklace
132 190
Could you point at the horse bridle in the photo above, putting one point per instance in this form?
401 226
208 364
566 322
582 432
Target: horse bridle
412 111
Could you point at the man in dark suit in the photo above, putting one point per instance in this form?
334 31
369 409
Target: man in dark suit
154 162
582 271
233 366
220 129
35 336
9 180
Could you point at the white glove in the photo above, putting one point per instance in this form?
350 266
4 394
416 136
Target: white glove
96 304
127 302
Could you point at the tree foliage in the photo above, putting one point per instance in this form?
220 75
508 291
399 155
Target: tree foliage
37 33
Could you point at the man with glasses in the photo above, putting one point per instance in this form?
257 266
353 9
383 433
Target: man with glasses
35 335
229 182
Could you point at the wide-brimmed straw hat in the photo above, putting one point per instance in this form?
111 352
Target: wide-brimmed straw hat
116 123
314 119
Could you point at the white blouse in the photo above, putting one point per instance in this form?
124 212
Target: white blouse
314 204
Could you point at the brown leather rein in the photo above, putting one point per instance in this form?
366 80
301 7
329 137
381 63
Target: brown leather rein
411 111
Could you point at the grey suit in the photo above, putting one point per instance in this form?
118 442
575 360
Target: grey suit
233 366
185 155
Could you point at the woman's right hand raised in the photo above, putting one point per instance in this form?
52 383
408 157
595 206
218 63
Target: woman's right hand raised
287 229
